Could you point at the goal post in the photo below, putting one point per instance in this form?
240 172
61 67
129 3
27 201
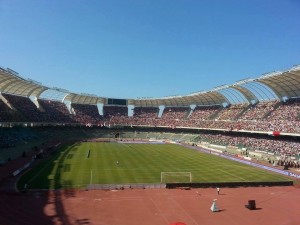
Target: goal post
175 177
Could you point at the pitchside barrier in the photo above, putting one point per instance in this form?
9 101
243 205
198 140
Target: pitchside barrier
229 184
123 186
185 185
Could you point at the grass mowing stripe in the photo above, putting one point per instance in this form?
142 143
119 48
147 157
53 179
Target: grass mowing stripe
36 177
233 175
91 180
140 163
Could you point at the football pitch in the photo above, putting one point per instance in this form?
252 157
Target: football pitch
85 163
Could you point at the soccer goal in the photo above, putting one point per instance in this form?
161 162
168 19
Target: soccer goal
176 177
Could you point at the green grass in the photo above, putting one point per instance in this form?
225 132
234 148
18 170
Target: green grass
138 163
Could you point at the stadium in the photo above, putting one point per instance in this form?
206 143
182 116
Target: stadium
83 143
218 141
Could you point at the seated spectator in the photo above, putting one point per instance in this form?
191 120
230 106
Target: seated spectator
259 111
56 112
231 112
86 114
204 112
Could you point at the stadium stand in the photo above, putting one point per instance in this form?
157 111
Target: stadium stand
144 116
86 114
56 112
178 121
9 115
146 112
232 112
282 147
116 115
204 112
175 113
287 111
259 111
28 109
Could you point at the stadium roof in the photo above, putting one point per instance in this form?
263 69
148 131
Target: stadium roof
275 85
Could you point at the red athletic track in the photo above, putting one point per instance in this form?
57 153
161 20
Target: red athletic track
276 206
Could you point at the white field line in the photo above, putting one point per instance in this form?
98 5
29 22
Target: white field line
91 179
223 171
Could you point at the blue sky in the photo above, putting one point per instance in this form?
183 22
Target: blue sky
139 48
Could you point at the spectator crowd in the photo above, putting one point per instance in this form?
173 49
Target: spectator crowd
263 116
282 117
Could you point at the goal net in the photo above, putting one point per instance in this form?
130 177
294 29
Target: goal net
176 177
